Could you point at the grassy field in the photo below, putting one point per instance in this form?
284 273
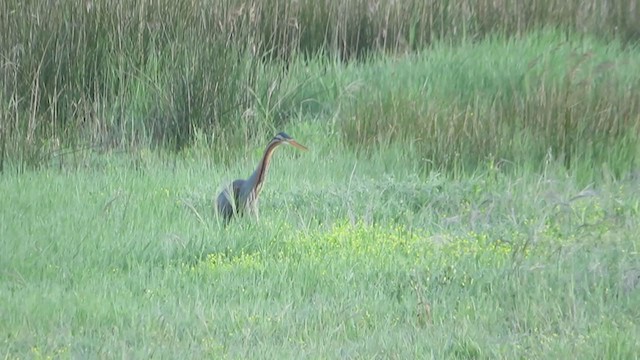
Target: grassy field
352 257
469 193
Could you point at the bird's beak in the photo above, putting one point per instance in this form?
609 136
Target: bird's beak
296 144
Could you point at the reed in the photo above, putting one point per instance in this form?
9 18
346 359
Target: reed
121 74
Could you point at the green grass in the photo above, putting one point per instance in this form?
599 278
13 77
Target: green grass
120 75
126 259
518 100
469 193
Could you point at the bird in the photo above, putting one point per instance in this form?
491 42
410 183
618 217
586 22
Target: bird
242 194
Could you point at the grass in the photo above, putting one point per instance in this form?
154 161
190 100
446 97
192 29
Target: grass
470 192
157 73
515 100
352 257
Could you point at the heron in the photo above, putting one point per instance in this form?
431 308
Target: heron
242 194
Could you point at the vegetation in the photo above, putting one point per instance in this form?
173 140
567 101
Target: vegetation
123 74
352 257
471 189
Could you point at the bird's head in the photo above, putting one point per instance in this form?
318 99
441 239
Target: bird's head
286 139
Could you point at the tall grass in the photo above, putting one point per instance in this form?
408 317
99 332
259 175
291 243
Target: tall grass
128 73
111 72
525 100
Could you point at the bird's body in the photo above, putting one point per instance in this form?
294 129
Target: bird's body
242 195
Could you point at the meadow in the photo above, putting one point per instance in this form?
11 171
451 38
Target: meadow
469 193
351 258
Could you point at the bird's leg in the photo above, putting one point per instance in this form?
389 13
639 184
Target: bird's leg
254 210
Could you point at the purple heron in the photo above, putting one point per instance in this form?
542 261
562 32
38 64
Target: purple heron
242 194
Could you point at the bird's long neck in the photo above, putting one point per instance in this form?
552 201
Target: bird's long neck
258 176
